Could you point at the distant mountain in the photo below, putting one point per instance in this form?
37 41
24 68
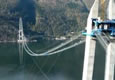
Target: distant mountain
60 17
53 18
8 29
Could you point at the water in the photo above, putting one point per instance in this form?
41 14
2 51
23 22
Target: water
67 65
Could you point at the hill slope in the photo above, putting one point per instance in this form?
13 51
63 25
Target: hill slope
51 17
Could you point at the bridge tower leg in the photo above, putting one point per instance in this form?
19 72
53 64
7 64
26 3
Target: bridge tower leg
110 62
20 40
90 45
89 59
20 52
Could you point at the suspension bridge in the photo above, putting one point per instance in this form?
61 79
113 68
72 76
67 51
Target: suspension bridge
97 29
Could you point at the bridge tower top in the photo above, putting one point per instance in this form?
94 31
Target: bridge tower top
20 32
20 24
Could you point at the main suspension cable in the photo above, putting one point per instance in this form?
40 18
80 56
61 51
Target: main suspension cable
30 52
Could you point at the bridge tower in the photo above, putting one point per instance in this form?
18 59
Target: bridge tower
21 40
110 54
91 44
20 32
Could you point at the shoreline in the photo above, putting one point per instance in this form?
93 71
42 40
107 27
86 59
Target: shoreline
16 41
8 41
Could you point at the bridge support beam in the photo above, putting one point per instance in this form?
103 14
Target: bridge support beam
110 62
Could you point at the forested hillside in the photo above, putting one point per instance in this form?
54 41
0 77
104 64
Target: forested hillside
52 18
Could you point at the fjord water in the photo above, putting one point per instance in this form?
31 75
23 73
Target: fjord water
67 65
